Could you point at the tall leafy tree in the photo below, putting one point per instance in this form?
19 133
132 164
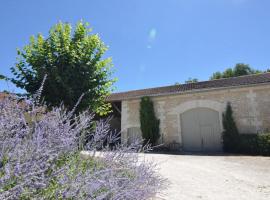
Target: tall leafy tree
149 122
74 63
239 69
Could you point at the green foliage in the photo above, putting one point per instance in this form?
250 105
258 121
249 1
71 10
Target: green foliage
75 64
264 144
2 77
148 120
254 144
191 80
240 69
75 165
233 142
248 144
230 134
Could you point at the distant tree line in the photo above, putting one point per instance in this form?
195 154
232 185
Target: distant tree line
240 69
191 80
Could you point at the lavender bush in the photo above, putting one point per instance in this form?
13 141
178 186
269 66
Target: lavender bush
40 156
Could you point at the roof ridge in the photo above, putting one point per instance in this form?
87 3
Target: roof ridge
261 73
199 82
150 88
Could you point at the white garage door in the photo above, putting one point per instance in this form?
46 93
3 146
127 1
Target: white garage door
201 130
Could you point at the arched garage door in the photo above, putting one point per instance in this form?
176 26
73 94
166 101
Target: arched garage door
201 130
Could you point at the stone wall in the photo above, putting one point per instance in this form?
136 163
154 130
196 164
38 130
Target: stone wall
251 106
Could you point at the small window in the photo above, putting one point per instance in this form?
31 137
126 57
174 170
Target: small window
134 133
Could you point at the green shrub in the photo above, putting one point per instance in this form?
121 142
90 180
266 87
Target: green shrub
148 120
254 144
233 142
248 144
230 135
264 144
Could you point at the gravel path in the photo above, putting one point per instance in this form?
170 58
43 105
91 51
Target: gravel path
214 177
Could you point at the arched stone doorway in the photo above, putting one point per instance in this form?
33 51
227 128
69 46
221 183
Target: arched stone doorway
201 130
196 112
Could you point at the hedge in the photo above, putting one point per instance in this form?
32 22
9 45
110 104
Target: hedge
254 144
264 144
233 142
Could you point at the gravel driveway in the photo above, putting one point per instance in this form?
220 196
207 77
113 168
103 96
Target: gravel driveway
214 177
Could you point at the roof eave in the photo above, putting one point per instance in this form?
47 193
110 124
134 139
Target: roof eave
189 91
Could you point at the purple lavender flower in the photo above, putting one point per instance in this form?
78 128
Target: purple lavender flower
40 156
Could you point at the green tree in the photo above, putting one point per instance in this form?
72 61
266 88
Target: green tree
74 63
148 120
240 69
230 134
216 75
228 73
191 80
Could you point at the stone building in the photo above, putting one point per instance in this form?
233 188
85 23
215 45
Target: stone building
191 114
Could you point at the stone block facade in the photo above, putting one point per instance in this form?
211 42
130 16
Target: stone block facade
251 107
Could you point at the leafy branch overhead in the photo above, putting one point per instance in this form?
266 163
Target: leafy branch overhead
2 77
74 62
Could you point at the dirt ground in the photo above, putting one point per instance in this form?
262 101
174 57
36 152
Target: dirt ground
218 177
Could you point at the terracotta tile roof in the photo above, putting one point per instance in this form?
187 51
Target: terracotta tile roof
175 89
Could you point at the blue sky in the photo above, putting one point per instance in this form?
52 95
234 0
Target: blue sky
152 42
